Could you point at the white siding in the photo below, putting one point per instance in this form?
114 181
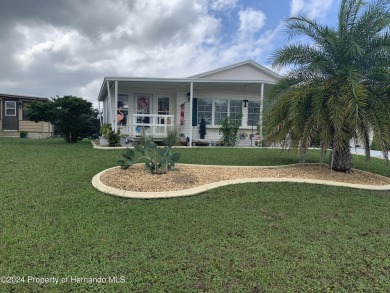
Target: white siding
243 72
212 131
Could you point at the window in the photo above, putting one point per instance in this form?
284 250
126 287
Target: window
253 113
163 105
205 110
236 111
10 108
143 103
220 111
163 109
215 110
144 106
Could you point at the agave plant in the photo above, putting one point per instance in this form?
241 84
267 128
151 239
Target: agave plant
130 159
158 160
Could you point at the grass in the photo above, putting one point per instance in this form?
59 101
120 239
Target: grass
262 237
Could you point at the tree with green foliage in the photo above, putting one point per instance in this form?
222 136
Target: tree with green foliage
339 85
73 117
229 128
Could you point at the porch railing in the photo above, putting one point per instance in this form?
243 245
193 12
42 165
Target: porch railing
156 125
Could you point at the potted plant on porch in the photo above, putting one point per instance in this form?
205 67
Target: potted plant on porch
105 130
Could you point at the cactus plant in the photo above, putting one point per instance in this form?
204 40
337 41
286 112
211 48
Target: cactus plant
169 159
130 156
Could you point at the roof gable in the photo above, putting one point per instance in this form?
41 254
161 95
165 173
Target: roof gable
247 70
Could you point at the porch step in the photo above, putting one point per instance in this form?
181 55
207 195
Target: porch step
9 134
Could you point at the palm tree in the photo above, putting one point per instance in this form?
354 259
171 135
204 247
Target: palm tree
339 85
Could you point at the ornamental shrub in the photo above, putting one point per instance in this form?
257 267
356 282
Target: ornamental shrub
202 128
229 129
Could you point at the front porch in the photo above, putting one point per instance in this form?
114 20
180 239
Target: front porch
154 125
138 105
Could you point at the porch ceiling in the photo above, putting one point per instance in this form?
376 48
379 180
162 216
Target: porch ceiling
199 84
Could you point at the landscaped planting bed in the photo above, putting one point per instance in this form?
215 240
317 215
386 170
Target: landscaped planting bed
136 178
273 237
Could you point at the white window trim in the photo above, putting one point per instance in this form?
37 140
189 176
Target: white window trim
8 108
249 123
213 125
214 109
169 102
242 110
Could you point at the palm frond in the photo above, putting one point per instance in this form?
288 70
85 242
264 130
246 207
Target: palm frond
339 85
295 54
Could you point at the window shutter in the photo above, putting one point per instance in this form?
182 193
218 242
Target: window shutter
194 112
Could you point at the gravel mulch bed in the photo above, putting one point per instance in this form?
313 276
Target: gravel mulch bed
136 178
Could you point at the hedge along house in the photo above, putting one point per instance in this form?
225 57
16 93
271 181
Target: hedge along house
13 120
153 105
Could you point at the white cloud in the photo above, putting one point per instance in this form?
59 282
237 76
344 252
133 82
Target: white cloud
297 6
251 21
311 8
223 4
89 90
250 40
49 40
52 55
255 48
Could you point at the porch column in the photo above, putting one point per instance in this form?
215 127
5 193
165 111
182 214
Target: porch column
108 118
99 112
116 107
261 111
191 105
100 115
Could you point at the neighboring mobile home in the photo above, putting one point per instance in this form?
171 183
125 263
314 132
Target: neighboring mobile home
134 104
13 109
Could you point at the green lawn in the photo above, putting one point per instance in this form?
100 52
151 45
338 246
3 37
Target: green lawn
262 237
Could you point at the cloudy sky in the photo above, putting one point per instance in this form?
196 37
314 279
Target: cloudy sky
61 47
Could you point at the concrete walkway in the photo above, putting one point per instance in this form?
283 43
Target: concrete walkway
373 154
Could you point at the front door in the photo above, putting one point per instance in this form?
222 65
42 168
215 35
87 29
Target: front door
10 115
144 106
163 108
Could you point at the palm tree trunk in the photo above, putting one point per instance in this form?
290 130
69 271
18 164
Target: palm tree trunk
342 159
323 152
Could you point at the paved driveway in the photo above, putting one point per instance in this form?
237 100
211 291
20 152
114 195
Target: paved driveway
360 151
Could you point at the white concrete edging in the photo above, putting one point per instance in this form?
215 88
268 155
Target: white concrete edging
96 182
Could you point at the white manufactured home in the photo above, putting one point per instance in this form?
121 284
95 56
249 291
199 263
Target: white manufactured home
153 105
